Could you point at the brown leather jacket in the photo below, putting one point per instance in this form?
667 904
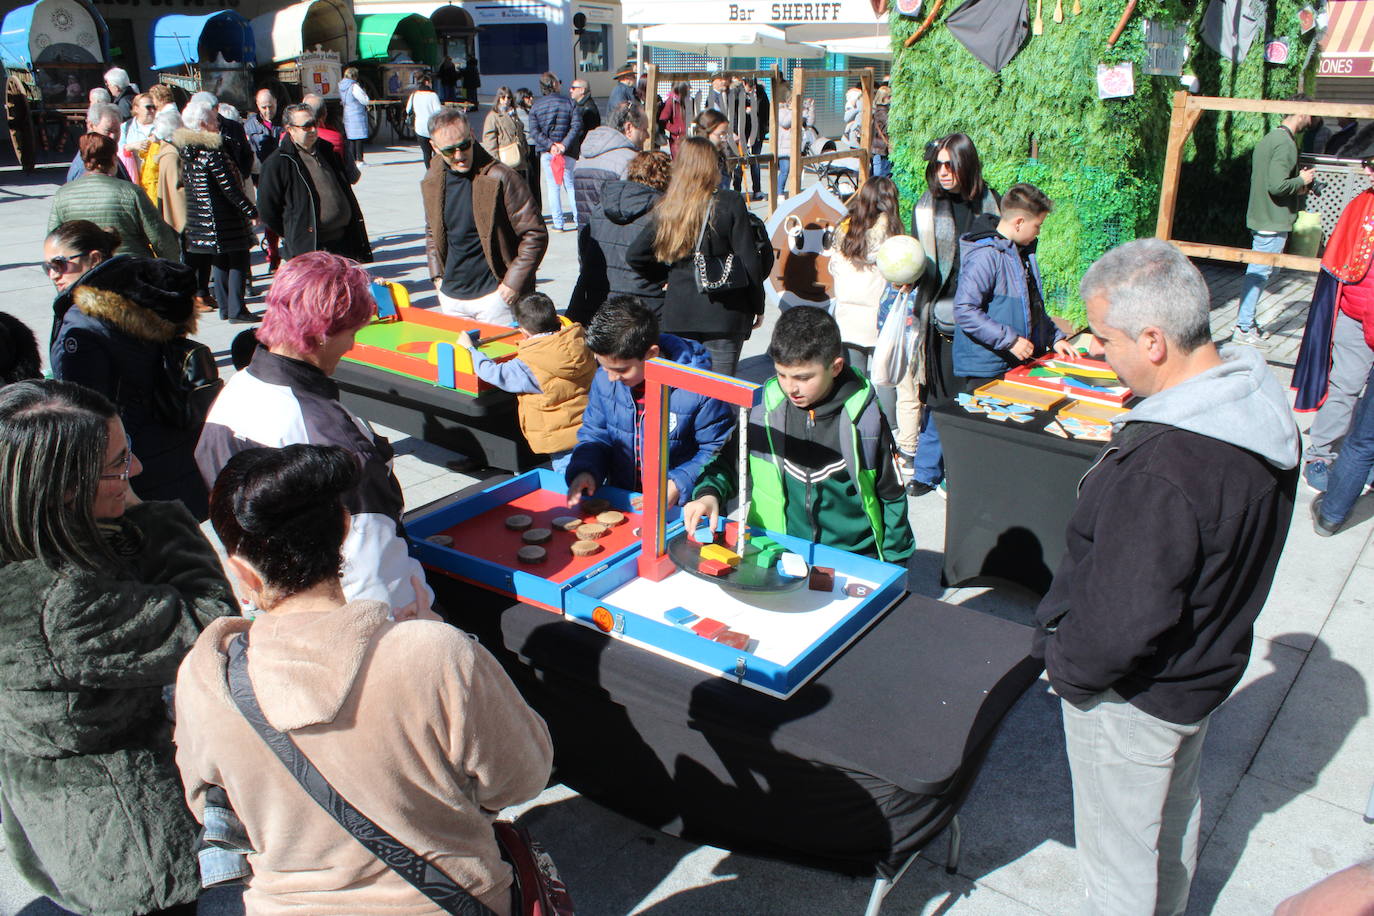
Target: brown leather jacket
508 221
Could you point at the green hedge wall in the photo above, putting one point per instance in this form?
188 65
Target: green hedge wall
1100 161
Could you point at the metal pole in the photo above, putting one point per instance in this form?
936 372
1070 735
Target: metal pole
742 532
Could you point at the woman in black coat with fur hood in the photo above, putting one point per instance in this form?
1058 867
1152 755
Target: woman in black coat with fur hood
111 341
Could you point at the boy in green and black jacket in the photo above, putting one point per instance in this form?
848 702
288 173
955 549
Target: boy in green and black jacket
820 451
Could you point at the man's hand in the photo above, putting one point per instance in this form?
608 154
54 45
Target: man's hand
708 506
1064 350
507 294
1022 348
583 484
758 321
1308 176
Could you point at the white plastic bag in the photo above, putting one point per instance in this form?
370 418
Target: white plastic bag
896 338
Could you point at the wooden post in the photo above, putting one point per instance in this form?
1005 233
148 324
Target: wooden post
798 90
1181 124
866 128
774 82
651 103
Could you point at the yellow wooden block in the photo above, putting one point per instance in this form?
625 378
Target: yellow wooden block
720 553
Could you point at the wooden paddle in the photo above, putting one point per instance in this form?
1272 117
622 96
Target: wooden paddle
1077 7
1038 26
921 30
1121 25
1058 10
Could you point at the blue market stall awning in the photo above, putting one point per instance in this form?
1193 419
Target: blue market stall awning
51 32
189 40
382 35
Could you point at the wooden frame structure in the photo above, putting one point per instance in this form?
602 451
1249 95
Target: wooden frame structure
1187 111
774 77
864 154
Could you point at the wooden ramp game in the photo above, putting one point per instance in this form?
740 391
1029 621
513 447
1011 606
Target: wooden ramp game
423 345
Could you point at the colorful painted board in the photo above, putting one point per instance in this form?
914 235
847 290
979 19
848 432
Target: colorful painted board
417 342
1037 397
1085 378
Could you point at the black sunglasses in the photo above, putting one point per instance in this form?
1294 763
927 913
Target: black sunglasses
462 146
63 262
308 125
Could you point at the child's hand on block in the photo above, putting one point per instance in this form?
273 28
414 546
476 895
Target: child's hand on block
1064 350
708 506
583 484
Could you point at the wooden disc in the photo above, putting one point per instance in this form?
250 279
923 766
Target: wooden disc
536 536
591 531
518 522
595 504
531 554
567 522
611 518
443 540
584 548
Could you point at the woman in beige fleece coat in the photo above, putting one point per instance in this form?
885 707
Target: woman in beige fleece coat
414 723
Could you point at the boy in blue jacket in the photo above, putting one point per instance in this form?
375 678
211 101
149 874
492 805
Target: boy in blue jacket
610 444
999 307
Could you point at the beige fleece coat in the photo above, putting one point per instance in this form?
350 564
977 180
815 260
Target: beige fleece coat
858 287
414 723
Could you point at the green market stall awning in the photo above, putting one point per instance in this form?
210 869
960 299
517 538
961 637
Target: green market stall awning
179 40
382 35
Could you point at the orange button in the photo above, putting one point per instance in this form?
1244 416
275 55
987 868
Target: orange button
603 619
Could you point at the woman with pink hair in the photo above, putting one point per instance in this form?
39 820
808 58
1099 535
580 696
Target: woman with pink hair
315 307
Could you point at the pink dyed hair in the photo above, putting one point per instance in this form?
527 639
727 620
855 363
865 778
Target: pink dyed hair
313 297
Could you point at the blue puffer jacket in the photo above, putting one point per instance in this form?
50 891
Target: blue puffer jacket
356 126
611 441
552 121
992 306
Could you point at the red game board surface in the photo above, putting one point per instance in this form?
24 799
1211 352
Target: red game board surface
486 536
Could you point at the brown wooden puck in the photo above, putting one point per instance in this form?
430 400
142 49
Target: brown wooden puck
567 522
591 531
584 548
531 554
536 536
595 504
611 518
518 522
443 540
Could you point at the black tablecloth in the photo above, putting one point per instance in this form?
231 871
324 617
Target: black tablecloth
482 426
1011 490
854 773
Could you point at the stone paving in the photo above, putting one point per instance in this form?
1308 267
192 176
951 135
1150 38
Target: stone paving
1287 769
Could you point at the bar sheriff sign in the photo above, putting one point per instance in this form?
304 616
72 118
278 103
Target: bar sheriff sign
763 12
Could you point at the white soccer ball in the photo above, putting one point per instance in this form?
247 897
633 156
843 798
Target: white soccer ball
901 260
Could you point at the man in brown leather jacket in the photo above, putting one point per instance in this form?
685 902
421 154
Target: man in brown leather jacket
484 236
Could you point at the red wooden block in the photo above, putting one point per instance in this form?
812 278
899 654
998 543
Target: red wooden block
714 568
822 579
733 639
708 628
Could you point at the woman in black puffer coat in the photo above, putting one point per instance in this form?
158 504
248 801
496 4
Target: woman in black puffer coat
219 216
616 220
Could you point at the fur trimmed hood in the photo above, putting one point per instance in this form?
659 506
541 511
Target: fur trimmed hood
183 137
146 298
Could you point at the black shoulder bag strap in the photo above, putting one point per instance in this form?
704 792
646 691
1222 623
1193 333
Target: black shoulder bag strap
424 877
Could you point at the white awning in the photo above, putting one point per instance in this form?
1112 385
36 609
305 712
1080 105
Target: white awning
875 46
726 41
283 34
747 13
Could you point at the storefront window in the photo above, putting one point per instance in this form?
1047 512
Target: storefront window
517 48
594 49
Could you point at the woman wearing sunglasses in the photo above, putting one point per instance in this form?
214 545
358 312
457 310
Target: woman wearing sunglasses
72 251
113 340
101 596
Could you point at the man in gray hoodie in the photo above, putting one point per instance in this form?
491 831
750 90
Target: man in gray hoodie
606 155
1170 555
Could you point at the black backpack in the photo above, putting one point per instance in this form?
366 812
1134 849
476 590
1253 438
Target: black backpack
189 386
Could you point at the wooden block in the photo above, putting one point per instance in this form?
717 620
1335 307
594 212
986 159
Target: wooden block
733 639
531 554
567 522
536 536
595 504
591 531
792 565
720 553
679 615
763 542
708 628
443 540
822 579
610 518
715 568
518 522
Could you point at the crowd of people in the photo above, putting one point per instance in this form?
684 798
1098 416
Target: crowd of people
106 575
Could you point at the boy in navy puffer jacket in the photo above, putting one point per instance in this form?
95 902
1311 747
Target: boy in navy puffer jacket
999 308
